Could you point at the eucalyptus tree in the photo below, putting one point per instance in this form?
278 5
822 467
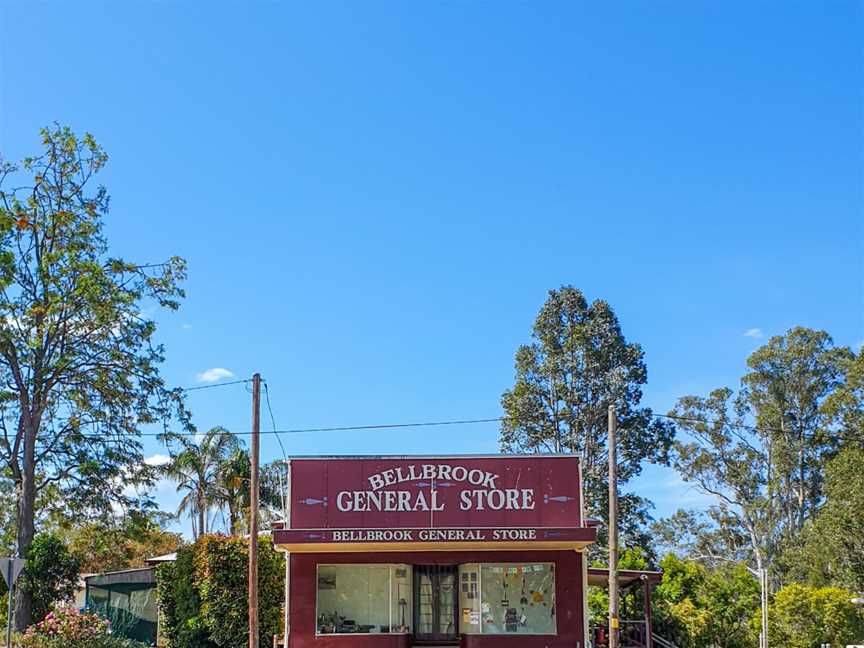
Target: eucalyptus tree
762 452
198 465
577 365
79 365
786 388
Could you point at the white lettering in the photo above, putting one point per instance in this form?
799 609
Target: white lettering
420 503
341 502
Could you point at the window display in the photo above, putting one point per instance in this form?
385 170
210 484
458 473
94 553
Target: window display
493 598
517 598
363 599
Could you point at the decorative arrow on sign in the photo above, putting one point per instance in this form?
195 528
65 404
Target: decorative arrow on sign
558 498
437 484
311 501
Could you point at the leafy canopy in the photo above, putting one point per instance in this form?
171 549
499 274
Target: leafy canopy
577 365
79 366
762 452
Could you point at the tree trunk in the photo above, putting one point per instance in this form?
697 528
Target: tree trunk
26 522
802 473
233 518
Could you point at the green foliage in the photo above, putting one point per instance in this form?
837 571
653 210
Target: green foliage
806 617
832 550
115 545
78 360
233 488
4 604
767 481
203 595
201 468
179 602
790 379
578 364
845 407
630 602
697 607
50 573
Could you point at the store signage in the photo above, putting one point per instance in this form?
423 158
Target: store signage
464 535
478 496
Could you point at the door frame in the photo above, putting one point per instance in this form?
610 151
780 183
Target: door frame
434 572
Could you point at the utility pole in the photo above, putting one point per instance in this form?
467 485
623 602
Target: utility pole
613 529
10 594
253 512
763 581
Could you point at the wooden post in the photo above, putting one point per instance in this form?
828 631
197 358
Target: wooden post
253 512
10 593
763 578
646 598
613 530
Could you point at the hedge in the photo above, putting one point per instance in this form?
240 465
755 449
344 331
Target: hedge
203 595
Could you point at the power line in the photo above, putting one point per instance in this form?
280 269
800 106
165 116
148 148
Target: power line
224 384
273 420
348 428
425 424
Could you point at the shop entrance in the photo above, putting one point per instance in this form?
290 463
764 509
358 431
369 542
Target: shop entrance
436 597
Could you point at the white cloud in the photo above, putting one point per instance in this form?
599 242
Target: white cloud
753 333
214 375
157 460
186 327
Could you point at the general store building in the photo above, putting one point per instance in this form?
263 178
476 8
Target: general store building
392 552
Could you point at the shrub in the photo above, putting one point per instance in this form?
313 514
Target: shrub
203 595
802 616
179 602
67 628
50 573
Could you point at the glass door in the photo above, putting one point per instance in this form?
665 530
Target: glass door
436 603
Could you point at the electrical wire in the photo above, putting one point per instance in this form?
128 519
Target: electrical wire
224 384
273 420
425 424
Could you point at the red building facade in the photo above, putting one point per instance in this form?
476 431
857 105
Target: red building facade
460 551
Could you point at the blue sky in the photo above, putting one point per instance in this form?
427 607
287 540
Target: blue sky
374 197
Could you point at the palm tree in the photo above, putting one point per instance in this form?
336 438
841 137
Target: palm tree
196 465
233 488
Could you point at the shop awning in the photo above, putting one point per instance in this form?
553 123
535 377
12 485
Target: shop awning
599 577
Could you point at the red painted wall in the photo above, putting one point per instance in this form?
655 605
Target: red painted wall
553 483
568 598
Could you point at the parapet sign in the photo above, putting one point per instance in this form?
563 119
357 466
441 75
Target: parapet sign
473 493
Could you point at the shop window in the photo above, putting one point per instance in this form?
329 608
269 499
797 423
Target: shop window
367 599
507 598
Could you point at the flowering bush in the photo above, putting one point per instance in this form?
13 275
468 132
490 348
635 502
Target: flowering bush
67 628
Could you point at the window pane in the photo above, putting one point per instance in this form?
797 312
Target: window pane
400 598
354 599
518 598
469 599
